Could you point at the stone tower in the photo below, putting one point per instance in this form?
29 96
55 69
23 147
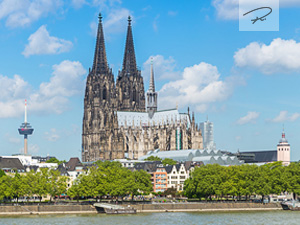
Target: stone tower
130 84
283 150
99 119
151 95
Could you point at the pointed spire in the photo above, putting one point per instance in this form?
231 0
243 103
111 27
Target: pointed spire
100 61
152 85
129 63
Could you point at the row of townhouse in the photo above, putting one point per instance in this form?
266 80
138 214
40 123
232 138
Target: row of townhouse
170 176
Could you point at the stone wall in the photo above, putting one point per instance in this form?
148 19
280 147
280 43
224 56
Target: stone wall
163 207
205 207
46 209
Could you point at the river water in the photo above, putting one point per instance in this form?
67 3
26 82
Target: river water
268 218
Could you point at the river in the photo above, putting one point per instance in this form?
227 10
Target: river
215 218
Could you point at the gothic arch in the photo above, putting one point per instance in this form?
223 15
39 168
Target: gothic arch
104 93
134 95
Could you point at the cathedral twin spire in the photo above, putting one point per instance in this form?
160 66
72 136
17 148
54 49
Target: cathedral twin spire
129 63
129 88
100 62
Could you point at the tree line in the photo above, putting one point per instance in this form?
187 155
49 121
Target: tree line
242 181
42 183
110 178
107 178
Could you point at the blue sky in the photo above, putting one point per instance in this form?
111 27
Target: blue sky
246 82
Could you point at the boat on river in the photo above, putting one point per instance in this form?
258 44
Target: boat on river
293 205
113 209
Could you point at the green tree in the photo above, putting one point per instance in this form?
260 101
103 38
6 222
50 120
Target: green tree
139 182
57 184
77 189
2 173
153 158
42 183
55 160
6 187
168 161
19 186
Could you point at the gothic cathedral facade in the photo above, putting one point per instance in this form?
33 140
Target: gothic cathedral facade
116 121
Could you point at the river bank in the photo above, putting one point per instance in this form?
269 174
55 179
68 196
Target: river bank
141 208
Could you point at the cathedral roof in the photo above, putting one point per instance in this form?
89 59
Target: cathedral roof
126 118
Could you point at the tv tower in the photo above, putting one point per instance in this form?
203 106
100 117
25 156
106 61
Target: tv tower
25 129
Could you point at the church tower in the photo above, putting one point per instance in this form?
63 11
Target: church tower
130 84
99 104
283 150
151 95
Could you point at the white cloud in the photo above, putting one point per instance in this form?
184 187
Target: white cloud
238 138
22 13
52 135
198 86
249 118
77 4
33 148
52 96
155 26
116 20
163 68
41 43
66 80
114 16
280 56
285 117
229 9
172 13
14 140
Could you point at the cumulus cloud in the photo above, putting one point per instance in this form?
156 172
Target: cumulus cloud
164 68
52 135
40 43
229 9
78 3
33 148
249 118
13 139
155 23
114 18
284 116
280 56
198 86
22 13
51 97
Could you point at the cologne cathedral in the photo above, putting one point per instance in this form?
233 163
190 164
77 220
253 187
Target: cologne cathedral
117 123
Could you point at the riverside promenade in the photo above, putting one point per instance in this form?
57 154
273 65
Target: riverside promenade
141 208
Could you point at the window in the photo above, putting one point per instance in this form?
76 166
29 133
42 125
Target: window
104 93
182 177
